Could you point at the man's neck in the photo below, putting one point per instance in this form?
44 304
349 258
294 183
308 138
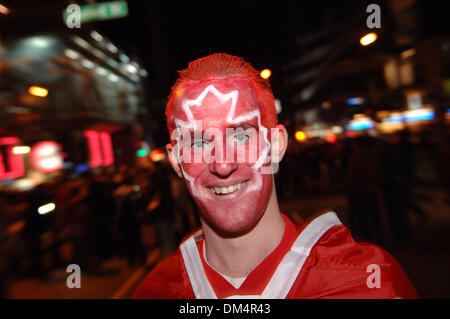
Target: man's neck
238 256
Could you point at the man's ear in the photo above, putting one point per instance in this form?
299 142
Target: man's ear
279 141
173 159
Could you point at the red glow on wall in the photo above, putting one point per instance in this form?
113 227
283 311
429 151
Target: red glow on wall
100 148
11 165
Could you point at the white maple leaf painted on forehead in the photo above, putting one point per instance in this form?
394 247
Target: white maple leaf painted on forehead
222 97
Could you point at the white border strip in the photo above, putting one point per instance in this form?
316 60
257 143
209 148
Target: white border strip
292 263
200 284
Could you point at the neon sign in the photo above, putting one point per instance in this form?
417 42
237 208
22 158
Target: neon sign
100 148
11 164
46 156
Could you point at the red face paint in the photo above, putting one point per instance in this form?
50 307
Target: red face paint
223 115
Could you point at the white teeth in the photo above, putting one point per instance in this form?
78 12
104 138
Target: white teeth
226 190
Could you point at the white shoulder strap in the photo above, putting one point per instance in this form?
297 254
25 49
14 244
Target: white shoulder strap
200 284
284 277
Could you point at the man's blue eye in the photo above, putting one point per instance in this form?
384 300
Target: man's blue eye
241 138
197 144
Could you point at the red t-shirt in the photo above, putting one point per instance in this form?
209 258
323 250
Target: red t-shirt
318 259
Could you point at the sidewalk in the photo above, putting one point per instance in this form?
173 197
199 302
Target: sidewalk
115 280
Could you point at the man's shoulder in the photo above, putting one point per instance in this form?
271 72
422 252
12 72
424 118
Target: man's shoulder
347 268
167 280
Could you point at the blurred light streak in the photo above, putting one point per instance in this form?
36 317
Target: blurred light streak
112 48
355 101
131 68
157 155
113 78
18 110
418 115
368 39
101 71
124 58
278 106
87 64
18 150
40 41
38 91
82 43
3 9
337 129
112 63
47 208
96 36
408 53
360 124
143 73
71 54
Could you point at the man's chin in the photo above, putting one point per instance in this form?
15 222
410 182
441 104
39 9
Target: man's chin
231 226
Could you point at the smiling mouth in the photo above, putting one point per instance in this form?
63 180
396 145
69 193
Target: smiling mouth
225 190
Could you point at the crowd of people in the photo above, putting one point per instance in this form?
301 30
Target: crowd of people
375 173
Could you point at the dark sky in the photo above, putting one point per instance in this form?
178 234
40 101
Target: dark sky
167 35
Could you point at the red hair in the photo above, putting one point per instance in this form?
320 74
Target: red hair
220 66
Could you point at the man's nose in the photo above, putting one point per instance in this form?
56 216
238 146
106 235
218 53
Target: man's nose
223 169
221 166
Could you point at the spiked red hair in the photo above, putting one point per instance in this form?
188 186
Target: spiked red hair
221 66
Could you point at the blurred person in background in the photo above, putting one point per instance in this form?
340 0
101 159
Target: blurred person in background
101 205
184 213
36 225
129 221
161 208
362 184
246 247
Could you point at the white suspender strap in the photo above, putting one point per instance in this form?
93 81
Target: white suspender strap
284 277
200 284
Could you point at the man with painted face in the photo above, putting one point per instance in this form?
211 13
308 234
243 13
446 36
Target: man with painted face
226 143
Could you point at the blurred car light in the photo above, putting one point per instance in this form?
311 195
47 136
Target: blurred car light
21 150
47 208
368 39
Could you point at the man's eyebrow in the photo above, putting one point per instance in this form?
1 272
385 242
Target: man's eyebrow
244 125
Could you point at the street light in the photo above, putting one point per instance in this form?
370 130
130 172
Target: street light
266 73
368 39
300 136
